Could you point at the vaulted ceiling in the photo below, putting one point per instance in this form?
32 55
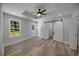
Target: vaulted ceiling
52 9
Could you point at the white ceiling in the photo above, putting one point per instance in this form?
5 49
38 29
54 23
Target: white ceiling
53 9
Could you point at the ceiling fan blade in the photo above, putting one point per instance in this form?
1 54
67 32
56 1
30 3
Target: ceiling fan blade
39 10
43 10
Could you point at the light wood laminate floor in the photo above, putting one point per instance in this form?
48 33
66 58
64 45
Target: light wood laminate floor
39 47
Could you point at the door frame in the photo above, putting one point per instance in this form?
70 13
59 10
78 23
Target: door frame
76 35
77 38
1 31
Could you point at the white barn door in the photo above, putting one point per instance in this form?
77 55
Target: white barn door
58 31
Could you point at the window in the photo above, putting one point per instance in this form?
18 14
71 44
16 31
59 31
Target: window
33 27
15 28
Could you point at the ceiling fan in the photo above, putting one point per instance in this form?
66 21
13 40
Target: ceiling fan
40 12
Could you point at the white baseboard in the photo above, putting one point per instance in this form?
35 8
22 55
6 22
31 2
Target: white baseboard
11 43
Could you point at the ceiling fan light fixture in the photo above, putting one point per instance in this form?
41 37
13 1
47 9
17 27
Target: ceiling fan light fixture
38 14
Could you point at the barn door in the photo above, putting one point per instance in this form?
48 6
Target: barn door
58 31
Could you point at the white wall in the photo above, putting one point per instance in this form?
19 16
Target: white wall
66 26
1 36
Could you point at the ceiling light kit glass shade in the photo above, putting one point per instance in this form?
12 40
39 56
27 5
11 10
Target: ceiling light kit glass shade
38 14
